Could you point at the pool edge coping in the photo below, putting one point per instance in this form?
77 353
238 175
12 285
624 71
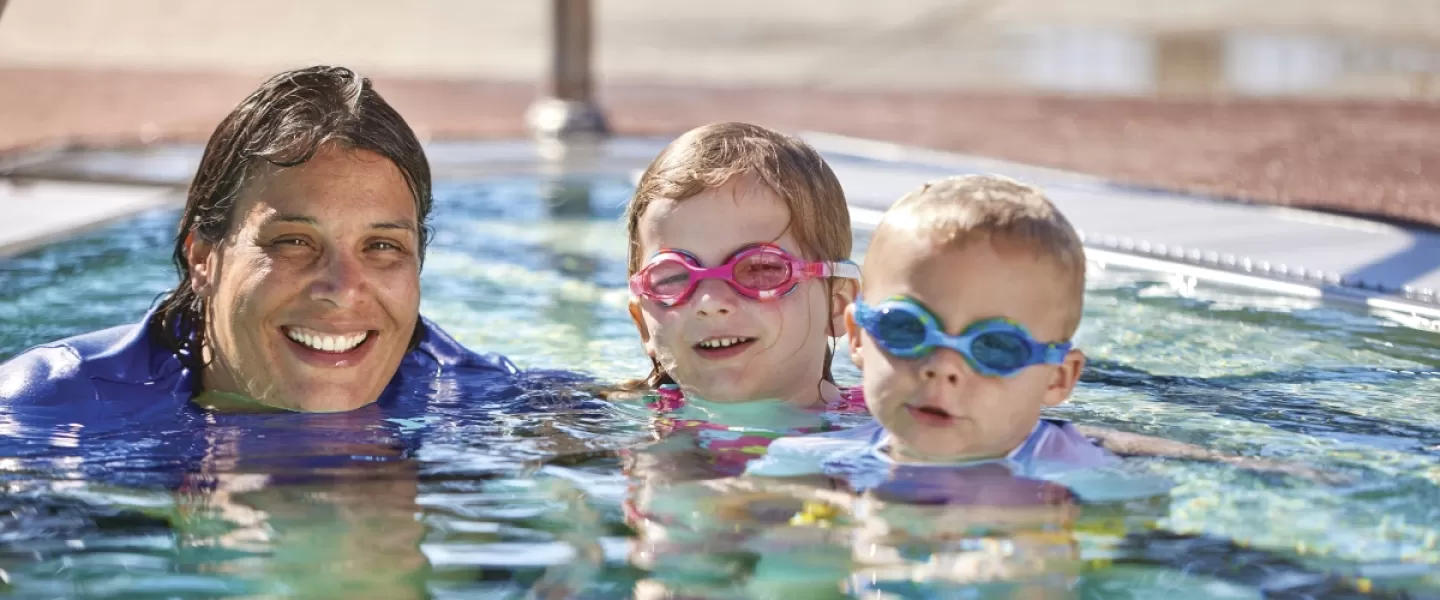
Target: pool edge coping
1138 253
1129 252
161 196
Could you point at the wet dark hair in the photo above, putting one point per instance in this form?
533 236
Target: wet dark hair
283 123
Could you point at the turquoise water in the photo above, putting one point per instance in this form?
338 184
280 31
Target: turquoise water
470 511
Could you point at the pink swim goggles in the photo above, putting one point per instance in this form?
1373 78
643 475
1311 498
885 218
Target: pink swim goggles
758 272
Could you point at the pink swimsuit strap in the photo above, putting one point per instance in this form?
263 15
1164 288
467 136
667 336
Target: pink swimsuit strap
852 401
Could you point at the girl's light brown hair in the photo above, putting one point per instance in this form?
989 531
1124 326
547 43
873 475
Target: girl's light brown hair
708 156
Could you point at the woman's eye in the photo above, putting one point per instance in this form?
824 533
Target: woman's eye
290 242
383 245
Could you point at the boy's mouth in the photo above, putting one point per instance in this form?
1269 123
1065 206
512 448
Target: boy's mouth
932 416
723 347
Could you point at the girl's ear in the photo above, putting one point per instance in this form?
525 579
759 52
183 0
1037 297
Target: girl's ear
842 293
639 319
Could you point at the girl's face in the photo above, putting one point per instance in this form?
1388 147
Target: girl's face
722 346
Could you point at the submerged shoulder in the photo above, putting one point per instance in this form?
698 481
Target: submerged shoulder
437 349
125 359
808 454
851 400
1060 441
43 375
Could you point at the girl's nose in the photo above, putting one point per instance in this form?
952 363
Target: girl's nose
714 298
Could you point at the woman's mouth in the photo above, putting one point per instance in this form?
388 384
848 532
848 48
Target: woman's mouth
322 342
329 349
723 347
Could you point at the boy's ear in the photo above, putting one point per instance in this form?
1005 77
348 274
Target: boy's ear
1065 378
842 295
198 255
853 333
639 319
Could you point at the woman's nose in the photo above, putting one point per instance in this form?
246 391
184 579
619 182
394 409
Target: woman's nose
339 281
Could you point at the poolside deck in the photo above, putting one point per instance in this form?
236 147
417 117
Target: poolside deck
1330 104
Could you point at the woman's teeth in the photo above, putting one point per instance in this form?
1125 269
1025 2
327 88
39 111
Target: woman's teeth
721 342
327 343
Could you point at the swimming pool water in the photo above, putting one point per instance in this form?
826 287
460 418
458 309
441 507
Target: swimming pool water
447 499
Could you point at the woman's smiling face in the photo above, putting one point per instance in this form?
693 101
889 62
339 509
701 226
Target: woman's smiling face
314 294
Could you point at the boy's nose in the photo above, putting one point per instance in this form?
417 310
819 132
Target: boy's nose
944 367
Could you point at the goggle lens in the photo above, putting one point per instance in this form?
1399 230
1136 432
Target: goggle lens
762 271
668 277
901 331
1000 350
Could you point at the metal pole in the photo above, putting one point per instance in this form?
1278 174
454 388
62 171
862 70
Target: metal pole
570 50
567 109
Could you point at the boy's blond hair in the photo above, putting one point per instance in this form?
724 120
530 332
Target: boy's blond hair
708 156
957 211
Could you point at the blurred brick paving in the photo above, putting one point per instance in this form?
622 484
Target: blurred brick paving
1365 157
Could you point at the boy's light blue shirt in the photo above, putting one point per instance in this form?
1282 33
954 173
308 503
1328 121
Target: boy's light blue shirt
1054 451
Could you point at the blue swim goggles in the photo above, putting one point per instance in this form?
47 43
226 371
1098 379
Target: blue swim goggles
904 328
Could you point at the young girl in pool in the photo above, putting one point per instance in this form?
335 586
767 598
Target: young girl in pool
739 247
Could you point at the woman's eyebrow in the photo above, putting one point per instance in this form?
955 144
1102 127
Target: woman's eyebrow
292 218
405 224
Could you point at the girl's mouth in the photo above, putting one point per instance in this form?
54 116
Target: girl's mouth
723 347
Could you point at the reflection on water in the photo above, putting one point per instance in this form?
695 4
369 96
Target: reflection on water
444 494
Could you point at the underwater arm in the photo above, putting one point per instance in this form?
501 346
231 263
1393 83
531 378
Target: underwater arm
1136 444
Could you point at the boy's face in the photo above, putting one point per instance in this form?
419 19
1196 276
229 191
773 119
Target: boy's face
936 407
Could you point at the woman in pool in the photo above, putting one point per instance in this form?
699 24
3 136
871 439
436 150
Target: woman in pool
298 253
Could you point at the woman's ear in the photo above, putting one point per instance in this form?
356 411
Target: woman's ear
198 256
853 333
639 318
842 293
1065 378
